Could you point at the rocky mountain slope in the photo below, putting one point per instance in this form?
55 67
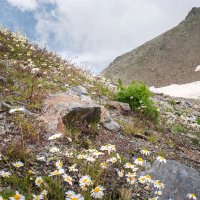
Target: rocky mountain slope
170 58
63 134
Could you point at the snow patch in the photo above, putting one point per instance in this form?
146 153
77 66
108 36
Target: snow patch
188 90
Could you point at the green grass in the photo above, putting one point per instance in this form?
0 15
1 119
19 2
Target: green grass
178 128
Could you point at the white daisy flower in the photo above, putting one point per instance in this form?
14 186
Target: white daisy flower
97 192
90 159
97 154
69 193
159 193
158 184
44 193
84 187
161 159
129 166
118 157
81 156
54 150
131 180
108 147
17 196
120 173
112 160
55 136
73 168
67 178
148 178
35 70
57 172
85 180
37 197
38 181
142 179
75 197
145 152
69 154
17 109
59 164
4 174
154 198
104 165
18 164
40 158
139 161
192 196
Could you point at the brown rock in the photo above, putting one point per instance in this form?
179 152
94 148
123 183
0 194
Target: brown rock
123 108
62 109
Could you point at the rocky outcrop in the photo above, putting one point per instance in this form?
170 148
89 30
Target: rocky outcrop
179 179
62 109
75 106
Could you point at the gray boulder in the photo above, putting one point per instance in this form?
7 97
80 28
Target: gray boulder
179 179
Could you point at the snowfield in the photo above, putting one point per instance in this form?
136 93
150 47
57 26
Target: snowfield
188 90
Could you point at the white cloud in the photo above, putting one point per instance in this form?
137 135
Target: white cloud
97 31
24 4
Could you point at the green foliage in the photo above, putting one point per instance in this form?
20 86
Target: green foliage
178 128
172 102
139 98
198 121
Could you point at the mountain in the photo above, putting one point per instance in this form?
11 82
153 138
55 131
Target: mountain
170 58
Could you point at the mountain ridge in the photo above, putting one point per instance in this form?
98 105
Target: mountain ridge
175 51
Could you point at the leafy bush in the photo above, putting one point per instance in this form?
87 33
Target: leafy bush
138 96
198 121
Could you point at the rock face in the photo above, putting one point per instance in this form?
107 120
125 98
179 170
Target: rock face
62 109
170 58
179 179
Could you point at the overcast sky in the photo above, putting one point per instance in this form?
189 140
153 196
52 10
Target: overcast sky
93 32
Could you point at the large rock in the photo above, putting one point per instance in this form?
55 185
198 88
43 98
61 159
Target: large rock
63 109
179 179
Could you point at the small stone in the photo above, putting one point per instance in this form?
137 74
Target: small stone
2 80
123 108
108 122
112 126
69 139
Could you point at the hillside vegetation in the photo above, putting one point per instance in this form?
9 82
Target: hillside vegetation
65 134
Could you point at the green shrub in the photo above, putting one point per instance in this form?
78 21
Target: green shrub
138 96
198 121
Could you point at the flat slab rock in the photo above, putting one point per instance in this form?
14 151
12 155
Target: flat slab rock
62 109
179 179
